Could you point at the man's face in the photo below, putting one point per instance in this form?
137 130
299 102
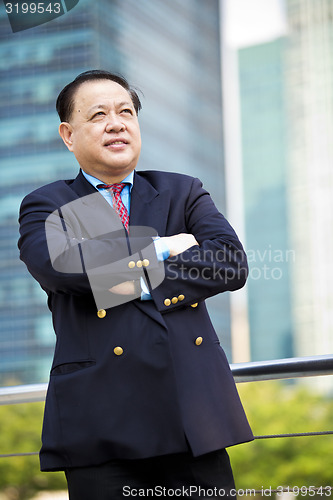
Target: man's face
103 131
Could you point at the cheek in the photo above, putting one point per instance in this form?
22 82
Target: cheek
88 139
138 139
82 144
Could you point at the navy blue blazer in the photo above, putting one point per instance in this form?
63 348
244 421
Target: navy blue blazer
145 378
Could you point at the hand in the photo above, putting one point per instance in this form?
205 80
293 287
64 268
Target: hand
179 243
125 288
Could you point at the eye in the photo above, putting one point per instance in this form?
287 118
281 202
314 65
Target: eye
127 110
99 113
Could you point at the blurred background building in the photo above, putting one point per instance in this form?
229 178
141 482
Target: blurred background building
263 139
309 107
171 52
238 93
283 69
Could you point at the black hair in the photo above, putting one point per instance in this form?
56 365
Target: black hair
65 100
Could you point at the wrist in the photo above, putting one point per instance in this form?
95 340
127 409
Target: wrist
137 287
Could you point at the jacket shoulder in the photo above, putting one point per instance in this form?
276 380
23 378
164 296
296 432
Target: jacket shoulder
53 187
159 178
57 193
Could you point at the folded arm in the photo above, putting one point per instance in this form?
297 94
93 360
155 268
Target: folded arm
211 261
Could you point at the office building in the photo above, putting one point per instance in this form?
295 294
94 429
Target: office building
286 99
309 101
263 124
170 50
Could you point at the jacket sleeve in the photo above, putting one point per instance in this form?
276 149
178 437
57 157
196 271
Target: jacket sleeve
217 265
66 254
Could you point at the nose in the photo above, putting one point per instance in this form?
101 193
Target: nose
114 124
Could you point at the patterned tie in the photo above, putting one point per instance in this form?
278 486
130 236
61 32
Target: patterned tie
115 190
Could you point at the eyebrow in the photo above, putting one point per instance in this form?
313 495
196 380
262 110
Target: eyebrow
104 106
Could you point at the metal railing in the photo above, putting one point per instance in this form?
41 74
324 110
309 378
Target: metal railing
243 372
276 369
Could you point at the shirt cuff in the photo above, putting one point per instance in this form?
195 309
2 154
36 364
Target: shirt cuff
145 295
162 253
161 248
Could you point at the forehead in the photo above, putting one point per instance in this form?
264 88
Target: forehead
99 92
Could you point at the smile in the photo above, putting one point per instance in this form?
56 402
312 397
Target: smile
118 142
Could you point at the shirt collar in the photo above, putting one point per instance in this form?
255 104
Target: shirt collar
94 181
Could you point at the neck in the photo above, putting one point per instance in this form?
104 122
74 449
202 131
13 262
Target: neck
106 178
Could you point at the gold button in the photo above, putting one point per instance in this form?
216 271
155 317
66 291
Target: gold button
195 304
167 302
174 300
139 263
118 351
145 262
198 341
101 313
181 297
131 264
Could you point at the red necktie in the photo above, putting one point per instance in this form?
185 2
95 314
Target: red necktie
115 190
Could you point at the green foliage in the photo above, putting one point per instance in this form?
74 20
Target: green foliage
272 408
20 433
280 408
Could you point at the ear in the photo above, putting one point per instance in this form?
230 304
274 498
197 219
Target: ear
66 132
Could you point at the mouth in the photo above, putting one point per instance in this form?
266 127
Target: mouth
116 143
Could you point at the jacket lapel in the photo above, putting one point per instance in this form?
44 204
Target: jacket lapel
81 186
148 206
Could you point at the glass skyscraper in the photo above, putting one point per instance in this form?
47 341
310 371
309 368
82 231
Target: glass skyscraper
264 149
286 100
309 98
171 52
